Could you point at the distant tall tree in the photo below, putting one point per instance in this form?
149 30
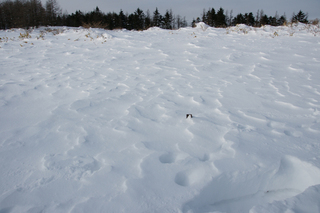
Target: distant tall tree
130 25
156 20
275 19
53 10
96 19
204 16
239 19
7 14
147 20
257 19
122 20
300 17
249 19
184 22
168 20
264 20
193 23
173 21
75 19
138 19
221 18
211 17
228 17
180 22
282 20
35 13
19 14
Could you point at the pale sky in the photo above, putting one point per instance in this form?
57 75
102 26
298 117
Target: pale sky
194 8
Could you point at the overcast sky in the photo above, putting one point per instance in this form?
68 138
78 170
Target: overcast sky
193 8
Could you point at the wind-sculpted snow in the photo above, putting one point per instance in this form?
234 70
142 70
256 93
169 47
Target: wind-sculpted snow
95 121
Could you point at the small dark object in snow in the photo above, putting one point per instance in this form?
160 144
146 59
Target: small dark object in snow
189 115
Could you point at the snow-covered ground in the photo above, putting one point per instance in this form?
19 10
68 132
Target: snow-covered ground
95 121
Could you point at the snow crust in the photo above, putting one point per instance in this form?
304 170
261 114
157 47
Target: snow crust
95 121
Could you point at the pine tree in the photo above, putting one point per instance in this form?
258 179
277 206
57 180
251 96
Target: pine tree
282 20
184 22
249 19
193 23
239 19
300 17
138 19
211 16
167 20
122 20
156 20
221 18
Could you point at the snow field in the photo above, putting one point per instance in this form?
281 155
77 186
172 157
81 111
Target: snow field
94 120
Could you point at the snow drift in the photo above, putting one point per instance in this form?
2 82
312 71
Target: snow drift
94 120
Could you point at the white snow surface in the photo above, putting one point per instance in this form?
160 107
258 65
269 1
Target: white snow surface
95 121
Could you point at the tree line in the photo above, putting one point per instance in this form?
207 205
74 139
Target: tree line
138 20
225 19
28 13
31 13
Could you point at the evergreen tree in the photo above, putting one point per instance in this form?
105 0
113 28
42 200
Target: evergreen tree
180 22
282 20
184 22
138 20
239 19
264 20
211 17
249 19
168 20
95 17
156 20
300 17
122 20
110 20
193 23
221 18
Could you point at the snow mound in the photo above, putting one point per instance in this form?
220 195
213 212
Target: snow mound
240 191
294 174
306 202
202 26
154 29
297 29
